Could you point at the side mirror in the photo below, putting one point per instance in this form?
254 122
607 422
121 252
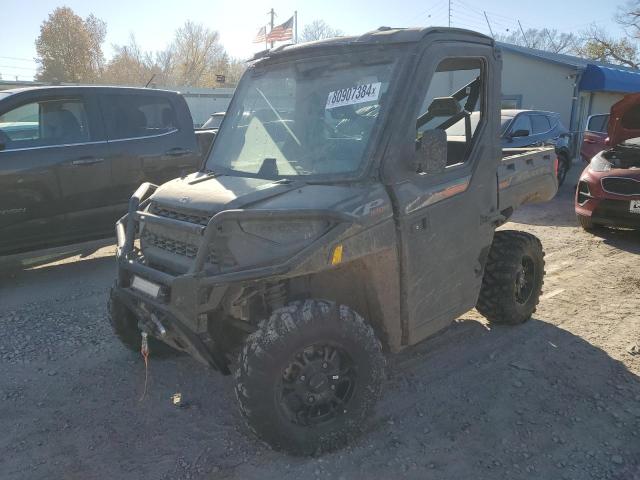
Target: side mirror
2 146
431 152
444 107
520 133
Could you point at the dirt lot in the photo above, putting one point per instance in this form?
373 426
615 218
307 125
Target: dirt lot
556 398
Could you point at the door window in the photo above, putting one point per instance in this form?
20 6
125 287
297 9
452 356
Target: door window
598 123
135 116
454 103
45 123
540 124
522 126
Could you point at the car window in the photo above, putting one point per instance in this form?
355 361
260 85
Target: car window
134 116
456 84
598 123
540 124
521 122
44 123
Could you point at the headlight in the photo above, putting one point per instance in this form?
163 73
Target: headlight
599 164
285 231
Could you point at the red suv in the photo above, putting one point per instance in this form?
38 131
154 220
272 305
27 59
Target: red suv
608 192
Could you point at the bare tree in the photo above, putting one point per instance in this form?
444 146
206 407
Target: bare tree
196 51
69 48
543 39
318 30
598 45
131 66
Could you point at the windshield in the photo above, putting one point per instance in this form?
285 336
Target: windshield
457 129
301 118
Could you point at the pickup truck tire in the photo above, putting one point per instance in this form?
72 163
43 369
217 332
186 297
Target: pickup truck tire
513 278
309 377
125 326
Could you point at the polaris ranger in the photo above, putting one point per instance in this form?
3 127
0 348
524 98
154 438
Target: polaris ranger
338 216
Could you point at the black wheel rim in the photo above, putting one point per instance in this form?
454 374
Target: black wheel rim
317 385
525 280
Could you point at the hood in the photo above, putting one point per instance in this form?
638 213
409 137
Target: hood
206 193
624 120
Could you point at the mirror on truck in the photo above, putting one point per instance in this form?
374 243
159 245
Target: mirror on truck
520 133
431 152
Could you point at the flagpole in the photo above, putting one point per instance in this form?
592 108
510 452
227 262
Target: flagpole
295 25
272 13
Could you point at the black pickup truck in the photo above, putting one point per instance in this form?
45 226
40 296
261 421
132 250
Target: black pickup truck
70 158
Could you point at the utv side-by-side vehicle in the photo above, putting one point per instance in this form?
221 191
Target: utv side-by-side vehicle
337 217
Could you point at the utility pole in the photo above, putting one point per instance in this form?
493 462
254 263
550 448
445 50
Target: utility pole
523 35
295 26
272 14
449 13
488 24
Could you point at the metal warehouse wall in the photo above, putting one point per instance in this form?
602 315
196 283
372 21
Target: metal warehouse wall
541 85
205 101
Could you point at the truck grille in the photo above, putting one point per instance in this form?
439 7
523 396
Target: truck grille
221 259
177 215
621 186
170 245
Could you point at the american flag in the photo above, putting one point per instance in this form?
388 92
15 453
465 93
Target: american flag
281 32
261 36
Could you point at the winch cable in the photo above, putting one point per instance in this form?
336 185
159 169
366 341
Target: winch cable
144 350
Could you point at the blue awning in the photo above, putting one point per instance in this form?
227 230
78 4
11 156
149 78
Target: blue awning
606 79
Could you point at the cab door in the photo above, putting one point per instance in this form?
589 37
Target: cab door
445 220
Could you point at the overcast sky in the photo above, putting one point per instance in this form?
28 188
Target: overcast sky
154 22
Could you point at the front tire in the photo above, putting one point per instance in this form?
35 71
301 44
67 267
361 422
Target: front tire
586 223
309 377
513 278
564 165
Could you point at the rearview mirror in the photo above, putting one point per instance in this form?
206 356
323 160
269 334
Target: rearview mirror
444 107
520 133
431 154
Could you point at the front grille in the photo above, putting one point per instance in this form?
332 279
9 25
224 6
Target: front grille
178 215
170 245
221 259
621 186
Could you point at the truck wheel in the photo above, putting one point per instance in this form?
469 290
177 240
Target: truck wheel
309 377
563 168
125 326
586 223
513 278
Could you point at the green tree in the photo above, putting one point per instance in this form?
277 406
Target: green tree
69 48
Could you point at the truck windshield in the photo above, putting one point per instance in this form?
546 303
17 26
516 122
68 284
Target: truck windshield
302 118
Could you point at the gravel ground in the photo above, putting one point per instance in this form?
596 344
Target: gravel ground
556 398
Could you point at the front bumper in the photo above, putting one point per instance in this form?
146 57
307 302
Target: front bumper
604 208
185 301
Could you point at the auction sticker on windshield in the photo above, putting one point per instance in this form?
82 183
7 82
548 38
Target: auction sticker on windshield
635 206
368 92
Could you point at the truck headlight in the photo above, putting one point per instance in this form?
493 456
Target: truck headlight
285 231
599 164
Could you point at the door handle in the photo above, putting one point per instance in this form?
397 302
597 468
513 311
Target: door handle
178 152
588 140
86 161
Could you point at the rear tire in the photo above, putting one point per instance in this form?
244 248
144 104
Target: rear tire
125 327
513 278
309 377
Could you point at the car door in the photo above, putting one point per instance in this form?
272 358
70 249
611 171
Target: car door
593 140
150 138
445 219
47 166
